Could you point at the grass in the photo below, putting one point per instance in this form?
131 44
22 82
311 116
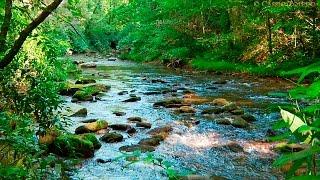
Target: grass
225 66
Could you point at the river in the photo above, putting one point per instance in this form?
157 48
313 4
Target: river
192 146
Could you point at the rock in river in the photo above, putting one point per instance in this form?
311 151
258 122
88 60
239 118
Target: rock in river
133 99
153 141
85 81
138 147
120 127
119 113
144 125
186 109
135 119
249 118
111 137
92 127
75 146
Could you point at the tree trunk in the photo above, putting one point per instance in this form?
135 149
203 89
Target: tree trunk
5 25
314 27
8 58
269 34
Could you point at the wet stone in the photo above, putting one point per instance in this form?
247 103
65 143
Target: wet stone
103 161
249 118
135 119
131 130
144 125
133 99
132 148
85 81
119 113
111 137
89 121
120 127
123 93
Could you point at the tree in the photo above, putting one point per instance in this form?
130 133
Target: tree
23 35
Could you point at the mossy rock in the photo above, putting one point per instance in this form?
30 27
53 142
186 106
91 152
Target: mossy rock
80 113
220 102
185 109
72 146
111 138
92 138
70 89
238 122
138 147
92 127
153 141
85 81
170 103
133 99
213 110
87 93
249 118
82 95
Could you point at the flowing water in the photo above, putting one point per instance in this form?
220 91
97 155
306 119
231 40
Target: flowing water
187 147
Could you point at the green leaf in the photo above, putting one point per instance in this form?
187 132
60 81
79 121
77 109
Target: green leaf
292 120
284 159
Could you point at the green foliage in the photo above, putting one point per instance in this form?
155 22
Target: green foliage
304 125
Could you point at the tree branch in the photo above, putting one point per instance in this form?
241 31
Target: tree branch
8 58
5 25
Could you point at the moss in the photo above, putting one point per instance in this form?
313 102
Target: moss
73 146
93 139
87 93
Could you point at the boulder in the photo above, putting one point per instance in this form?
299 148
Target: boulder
138 147
171 103
103 161
186 109
249 118
82 95
158 81
238 122
162 132
153 141
192 98
144 125
89 120
92 138
85 81
220 102
135 119
123 93
237 112
120 127
87 93
74 110
224 121
232 146
213 110
132 99
111 137
74 146
69 89
80 113
221 81
88 65
92 127
118 113
131 130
